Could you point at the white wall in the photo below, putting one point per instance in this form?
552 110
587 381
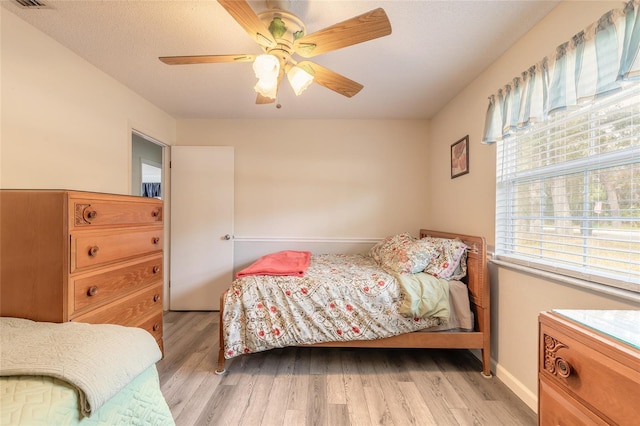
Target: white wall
322 178
66 124
467 203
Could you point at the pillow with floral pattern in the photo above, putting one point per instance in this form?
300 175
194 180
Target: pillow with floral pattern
378 247
404 254
451 261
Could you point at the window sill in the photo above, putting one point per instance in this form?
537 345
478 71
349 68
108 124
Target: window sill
575 282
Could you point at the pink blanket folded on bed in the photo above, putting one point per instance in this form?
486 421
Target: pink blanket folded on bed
288 262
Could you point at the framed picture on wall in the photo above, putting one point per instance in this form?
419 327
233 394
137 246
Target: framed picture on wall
460 157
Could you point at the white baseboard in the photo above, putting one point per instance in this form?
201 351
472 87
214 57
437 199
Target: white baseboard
528 397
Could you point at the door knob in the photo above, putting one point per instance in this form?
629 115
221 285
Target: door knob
227 237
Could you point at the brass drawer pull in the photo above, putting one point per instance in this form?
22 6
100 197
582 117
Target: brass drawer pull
156 297
155 240
93 290
156 269
93 251
156 327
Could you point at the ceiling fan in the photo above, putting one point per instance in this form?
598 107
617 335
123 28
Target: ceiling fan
281 35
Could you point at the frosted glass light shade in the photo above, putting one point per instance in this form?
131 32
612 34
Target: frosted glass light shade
299 79
267 68
268 88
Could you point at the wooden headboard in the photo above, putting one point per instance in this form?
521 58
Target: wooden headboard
477 278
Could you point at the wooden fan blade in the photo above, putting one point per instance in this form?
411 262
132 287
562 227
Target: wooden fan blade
365 27
247 18
206 59
262 100
331 80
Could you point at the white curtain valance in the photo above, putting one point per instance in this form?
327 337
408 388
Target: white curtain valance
595 62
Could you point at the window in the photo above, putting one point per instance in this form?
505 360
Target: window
568 192
568 156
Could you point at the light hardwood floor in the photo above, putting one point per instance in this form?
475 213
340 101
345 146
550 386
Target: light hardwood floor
326 386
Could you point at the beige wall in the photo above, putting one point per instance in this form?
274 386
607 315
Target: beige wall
322 178
66 124
466 203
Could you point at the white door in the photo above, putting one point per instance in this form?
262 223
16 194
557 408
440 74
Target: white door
201 226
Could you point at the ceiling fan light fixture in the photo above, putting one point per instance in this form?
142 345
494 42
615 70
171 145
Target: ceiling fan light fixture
267 69
299 79
281 34
267 89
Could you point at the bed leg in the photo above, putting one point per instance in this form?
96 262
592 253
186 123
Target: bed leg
486 364
484 325
220 370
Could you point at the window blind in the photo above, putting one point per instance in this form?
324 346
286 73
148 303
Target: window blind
568 192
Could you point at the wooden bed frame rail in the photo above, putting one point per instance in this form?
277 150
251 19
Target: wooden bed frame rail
477 281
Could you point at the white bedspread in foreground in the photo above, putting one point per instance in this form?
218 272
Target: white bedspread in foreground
98 360
340 298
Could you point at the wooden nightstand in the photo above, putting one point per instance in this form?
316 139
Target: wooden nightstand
589 367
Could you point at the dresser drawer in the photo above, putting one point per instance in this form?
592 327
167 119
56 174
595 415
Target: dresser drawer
128 310
95 249
558 409
153 325
96 212
581 366
98 287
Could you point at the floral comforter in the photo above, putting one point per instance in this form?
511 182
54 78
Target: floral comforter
340 298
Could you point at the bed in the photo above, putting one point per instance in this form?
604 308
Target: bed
75 373
261 312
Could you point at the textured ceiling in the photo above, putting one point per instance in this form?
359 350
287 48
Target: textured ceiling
435 50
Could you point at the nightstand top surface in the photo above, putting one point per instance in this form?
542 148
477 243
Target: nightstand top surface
623 325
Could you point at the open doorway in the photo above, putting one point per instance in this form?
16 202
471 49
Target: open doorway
146 166
151 179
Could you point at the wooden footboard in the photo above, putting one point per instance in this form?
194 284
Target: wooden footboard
477 281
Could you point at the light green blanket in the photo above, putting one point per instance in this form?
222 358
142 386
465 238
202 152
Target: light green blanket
99 360
47 401
424 296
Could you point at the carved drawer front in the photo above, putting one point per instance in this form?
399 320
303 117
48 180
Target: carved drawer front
128 310
599 382
101 286
95 249
94 213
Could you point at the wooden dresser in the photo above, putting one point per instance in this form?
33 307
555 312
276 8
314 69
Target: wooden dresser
586 376
82 256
